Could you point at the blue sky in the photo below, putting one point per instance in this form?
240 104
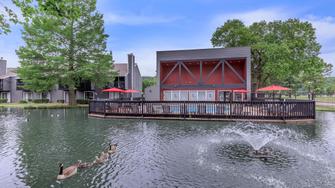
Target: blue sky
143 27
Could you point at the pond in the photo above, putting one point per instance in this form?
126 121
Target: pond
163 153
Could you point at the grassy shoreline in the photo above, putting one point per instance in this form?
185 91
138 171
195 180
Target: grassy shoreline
325 108
40 105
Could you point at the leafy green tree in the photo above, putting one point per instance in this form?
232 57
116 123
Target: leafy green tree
282 51
7 15
147 82
64 43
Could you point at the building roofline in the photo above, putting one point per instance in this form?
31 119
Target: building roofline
196 49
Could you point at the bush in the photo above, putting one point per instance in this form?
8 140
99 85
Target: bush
3 100
60 101
23 102
82 101
41 101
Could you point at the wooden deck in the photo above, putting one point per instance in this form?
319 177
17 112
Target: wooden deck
206 110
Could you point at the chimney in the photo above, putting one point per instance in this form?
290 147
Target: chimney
3 66
131 62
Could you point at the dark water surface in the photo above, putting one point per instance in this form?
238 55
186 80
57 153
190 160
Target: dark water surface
163 153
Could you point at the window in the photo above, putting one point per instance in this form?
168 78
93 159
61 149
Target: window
211 95
184 95
175 95
167 95
193 96
201 95
45 95
3 95
28 96
88 95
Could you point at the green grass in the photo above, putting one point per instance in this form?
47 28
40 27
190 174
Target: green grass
325 108
318 98
40 105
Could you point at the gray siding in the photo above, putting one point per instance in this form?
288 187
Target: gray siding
3 67
152 93
198 54
133 78
6 84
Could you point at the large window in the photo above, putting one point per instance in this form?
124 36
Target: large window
192 95
167 95
184 95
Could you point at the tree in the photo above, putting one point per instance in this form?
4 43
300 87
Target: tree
7 15
64 44
281 51
147 82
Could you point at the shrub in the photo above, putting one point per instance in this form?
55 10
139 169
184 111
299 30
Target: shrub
60 101
23 102
3 100
41 101
82 101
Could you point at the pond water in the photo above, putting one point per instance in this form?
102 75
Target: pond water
163 153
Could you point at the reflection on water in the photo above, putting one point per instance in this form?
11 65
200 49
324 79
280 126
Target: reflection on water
163 153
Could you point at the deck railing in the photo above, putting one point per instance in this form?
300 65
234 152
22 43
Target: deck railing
207 109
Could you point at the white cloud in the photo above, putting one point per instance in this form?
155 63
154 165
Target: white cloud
137 19
325 27
248 17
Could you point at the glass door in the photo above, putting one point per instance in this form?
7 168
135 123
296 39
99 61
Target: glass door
225 95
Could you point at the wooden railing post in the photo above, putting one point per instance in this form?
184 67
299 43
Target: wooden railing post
105 108
89 107
142 108
184 111
314 109
283 111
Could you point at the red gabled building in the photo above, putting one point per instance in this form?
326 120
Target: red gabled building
203 74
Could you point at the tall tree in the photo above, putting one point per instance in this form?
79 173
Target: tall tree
282 51
64 43
7 15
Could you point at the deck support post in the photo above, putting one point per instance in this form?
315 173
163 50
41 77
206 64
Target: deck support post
142 107
105 108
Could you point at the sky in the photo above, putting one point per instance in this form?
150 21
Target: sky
143 27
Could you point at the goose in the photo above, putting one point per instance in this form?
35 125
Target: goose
112 148
85 164
103 157
67 172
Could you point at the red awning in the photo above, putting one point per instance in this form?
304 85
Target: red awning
132 91
114 89
240 91
273 88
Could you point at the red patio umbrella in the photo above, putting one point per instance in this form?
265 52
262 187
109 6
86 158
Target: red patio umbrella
114 89
132 91
273 88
